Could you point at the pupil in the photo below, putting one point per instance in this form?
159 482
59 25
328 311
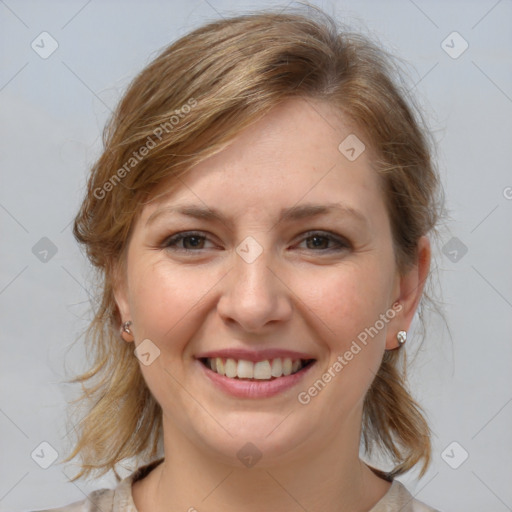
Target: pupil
317 241
197 241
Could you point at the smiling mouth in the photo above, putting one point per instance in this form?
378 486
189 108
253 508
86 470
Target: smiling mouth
268 369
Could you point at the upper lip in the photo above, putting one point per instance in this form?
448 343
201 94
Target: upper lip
253 355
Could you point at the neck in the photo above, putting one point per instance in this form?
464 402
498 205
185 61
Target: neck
331 479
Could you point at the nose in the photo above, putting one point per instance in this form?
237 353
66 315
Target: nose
255 295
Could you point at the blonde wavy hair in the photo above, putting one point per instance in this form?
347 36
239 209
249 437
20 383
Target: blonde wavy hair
187 105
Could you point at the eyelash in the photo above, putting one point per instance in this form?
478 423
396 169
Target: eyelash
172 241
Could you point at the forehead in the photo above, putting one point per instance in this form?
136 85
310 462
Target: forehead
296 153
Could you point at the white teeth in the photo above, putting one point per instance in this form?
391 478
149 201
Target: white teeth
245 369
231 368
287 366
277 368
219 363
261 370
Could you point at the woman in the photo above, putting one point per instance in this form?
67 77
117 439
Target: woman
260 218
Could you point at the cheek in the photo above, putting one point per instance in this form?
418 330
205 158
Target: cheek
351 299
345 305
349 305
165 302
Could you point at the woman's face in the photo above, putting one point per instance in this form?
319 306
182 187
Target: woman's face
297 264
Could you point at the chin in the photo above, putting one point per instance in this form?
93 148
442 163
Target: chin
258 439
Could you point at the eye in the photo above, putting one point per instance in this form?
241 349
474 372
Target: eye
187 241
317 241
324 241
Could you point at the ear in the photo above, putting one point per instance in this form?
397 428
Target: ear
408 292
120 291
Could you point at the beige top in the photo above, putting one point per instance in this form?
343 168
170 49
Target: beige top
397 499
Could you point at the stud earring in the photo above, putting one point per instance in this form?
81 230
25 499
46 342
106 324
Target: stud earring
126 333
401 338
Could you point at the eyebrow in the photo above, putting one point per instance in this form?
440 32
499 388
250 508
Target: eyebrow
293 213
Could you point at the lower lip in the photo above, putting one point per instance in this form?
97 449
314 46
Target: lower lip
254 388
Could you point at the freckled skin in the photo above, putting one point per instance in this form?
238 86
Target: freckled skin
301 294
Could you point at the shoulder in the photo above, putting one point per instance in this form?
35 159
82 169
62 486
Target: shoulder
399 498
98 501
108 500
119 499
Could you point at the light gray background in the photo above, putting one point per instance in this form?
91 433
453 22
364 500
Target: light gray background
52 113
